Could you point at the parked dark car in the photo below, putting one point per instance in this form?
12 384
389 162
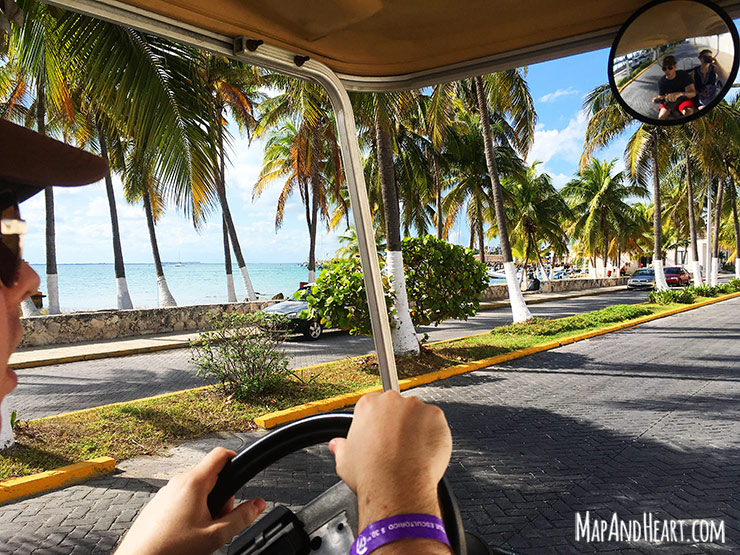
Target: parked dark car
642 278
291 309
677 276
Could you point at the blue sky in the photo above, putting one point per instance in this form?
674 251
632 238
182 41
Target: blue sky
83 222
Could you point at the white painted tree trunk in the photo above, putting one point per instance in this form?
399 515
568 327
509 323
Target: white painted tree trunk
6 432
519 310
696 270
737 265
123 298
251 295
311 276
230 291
52 293
525 281
715 272
165 297
544 275
29 309
403 332
660 282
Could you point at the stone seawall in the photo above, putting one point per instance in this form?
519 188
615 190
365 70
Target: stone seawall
499 291
111 324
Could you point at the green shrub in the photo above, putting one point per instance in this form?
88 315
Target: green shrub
594 319
670 296
724 289
338 298
442 281
735 284
241 353
702 290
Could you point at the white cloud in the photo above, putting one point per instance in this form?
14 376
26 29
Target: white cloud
565 144
553 96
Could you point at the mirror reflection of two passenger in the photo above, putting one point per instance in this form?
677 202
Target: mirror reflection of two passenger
681 91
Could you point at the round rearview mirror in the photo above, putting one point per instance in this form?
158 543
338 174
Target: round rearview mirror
673 61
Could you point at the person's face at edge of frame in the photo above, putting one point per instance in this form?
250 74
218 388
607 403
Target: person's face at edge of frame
11 331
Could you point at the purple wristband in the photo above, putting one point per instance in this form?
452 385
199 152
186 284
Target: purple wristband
399 527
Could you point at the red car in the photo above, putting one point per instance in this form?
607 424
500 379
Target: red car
676 276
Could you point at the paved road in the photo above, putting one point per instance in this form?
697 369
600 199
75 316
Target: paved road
640 92
52 390
644 420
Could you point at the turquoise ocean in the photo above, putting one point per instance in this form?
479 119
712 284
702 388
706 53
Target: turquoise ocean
85 287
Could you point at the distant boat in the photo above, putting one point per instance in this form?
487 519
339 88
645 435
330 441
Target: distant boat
496 275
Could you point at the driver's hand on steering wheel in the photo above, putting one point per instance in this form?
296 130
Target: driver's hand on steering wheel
395 454
177 520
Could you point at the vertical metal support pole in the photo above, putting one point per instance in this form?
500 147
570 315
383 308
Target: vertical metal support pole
365 233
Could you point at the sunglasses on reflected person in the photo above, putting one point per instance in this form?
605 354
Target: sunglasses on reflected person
666 68
12 229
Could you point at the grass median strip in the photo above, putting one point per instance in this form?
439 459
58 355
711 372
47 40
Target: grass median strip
149 426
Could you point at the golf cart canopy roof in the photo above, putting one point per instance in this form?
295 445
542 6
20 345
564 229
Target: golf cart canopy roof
395 44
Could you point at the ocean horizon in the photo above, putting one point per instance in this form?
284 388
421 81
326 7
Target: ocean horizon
91 286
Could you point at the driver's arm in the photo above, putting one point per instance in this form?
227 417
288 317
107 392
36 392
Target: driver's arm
395 454
690 91
177 520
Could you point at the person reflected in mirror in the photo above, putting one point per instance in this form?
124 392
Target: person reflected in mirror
676 91
708 78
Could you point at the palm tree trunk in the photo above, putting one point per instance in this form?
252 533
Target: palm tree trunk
660 282
481 245
165 297
695 269
123 297
403 333
708 232
438 199
733 193
606 254
52 280
313 200
221 190
715 239
230 291
542 267
519 309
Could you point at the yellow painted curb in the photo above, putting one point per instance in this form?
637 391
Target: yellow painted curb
274 419
15 488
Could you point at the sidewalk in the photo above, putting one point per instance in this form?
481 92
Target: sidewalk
91 350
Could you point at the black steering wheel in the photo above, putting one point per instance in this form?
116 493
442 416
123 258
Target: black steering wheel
330 520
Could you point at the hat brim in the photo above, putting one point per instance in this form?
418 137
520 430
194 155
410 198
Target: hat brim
29 162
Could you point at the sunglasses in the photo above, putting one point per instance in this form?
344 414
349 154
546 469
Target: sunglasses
12 229
666 68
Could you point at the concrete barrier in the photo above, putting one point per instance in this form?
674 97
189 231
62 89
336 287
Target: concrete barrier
499 291
77 327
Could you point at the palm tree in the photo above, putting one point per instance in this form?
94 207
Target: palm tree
140 184
645 150
598 200
303 147
538 210
294 153
33 55
469 179
499 95
231 86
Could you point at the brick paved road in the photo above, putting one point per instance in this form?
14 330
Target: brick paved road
645 420
51 390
